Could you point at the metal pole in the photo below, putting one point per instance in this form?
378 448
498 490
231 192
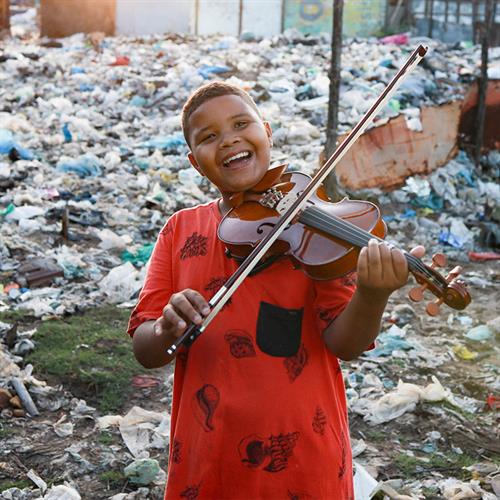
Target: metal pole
334 91
483 81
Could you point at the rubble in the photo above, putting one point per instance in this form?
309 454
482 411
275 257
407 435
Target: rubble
92 162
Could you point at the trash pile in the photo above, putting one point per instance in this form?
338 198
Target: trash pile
93 161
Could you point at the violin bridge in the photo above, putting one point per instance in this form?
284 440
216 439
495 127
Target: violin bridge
277 200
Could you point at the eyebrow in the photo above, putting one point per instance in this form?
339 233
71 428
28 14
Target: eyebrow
198 132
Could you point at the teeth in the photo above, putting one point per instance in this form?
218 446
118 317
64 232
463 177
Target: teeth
243 154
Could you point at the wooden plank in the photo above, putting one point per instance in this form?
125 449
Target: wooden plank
64 18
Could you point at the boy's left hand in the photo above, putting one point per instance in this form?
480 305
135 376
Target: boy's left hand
382 270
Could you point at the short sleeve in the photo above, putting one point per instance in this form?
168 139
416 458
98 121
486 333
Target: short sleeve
332 297
158 284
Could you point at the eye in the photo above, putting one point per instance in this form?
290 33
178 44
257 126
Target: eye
208 137
240 124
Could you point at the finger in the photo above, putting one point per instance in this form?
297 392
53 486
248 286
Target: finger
169 322
374 271
386 269
184 308
399 265
363 265
418 251
198 301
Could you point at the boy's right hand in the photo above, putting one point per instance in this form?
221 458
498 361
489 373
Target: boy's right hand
183 307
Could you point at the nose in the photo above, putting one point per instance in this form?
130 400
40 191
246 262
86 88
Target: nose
229 138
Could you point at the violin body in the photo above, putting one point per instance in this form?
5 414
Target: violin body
319 254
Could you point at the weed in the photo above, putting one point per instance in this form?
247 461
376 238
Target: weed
113 478
91 353
105 438
14 483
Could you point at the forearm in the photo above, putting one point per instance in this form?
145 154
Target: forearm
150 349
356 327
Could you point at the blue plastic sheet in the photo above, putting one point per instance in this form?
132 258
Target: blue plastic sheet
86 165
8 143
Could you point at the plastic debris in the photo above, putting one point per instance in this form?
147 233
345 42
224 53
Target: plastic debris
142 471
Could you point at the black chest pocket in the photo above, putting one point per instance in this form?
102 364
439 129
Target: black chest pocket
279 330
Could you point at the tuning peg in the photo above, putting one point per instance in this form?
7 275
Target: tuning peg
438 260
454 273
417 294
433 307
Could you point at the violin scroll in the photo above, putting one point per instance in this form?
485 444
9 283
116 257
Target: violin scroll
449 290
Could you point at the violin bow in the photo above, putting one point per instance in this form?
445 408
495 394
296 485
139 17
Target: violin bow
289 208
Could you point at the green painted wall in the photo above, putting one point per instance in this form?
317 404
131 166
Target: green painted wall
361 17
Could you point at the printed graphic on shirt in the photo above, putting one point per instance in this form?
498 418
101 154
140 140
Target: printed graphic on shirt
191 492
205 402
279 330
342 467
270 454
240 343
295 364
176 452
319 421
195 245
214 285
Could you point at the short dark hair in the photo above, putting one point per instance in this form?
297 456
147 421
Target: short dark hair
209 91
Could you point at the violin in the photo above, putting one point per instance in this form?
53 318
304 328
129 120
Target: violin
313 229
325 238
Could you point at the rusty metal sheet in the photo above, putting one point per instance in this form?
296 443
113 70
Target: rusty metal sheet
4 15
385 156
60 18
492 120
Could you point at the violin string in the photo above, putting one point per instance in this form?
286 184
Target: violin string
360 236
333 222
355 235
361 239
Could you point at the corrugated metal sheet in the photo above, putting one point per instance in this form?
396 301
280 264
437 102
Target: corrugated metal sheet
492 118
384 156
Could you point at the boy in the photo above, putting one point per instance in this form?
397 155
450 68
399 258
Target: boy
259 408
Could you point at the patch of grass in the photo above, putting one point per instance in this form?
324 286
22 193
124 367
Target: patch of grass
113 478
5 431
413 466
14 483
105 438
91 353
19 315
375 435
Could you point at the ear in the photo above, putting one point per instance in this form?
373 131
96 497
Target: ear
269 132
194 163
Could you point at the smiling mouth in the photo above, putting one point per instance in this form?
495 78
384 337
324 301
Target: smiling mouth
237 160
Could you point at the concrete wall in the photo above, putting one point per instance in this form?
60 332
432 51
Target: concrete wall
147 17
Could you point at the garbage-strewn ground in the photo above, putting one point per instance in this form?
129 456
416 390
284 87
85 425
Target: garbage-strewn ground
92 163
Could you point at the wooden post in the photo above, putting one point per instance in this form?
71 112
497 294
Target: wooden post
430 20
334 91
489 13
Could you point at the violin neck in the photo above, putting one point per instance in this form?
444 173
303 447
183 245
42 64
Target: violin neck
337 227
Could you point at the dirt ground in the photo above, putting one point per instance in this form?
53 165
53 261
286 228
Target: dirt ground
395 450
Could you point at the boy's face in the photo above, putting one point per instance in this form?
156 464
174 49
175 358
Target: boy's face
230 144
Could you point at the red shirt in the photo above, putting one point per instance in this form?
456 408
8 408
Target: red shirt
259 409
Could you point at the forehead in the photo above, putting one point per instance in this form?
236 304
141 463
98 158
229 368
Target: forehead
223 107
